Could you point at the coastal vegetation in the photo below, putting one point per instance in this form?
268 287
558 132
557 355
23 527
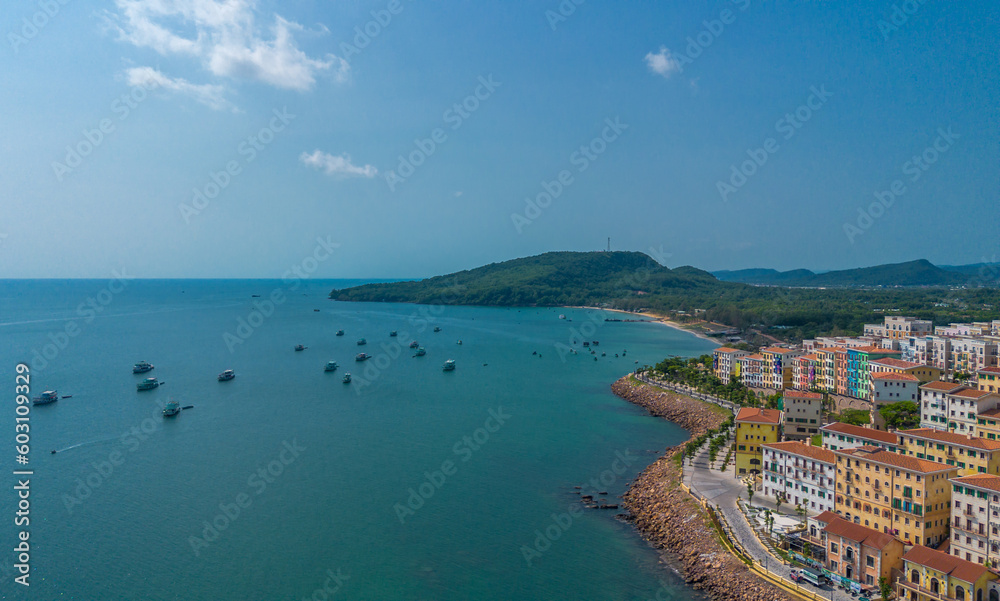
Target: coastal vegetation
633 281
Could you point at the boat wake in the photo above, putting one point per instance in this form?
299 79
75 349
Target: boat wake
84 444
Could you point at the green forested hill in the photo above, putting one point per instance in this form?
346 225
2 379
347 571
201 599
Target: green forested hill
632 280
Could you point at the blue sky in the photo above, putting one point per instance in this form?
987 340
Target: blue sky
311 120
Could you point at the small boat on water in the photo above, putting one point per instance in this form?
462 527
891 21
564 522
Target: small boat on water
227 375
561 316
437 328
420 352
340 332
147 384
142 367
362 357
459 343
393 334
596 343
172 408
347 378
414 344
449 365
330 366
49 396
299 347
585 343
362 342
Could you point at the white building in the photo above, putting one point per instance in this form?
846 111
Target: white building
726 362
803 413
975 514
934 404
802 473
839 436
954 407
889 387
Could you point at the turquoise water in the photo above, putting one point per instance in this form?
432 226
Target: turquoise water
322 480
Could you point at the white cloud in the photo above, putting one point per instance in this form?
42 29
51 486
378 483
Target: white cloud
224 35
663 63
210 95
336 165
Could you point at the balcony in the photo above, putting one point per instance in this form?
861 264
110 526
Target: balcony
902 586
969 512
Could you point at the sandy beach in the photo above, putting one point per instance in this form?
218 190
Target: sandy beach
658 318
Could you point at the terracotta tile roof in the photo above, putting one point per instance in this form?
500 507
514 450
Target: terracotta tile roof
987 481
780 351
759 416
966 571
880 455
861 432
802 394
726 349
942 386
990 413
888 375
990 370
858 533
898 363
874 349
755 357
972 393
795 447
827 516
809 357
960 440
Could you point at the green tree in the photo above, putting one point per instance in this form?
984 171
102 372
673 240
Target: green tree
750 492
884 588
856 417
901 416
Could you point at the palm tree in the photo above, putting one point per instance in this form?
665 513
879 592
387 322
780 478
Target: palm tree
750 492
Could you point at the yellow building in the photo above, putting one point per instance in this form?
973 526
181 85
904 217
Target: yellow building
755 427
988 424
901 495
970 454
778 366
988 380
931 575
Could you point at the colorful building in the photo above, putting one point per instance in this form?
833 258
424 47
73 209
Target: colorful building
752 371
897 494
857 370
931 575
856 553
988 379
778 366
725 363
805 372
971 455
923 373
754 428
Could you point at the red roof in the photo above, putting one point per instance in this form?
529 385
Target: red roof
861 432
973 393
888 375
987 481
943 562
942 386
802 394
795 447
898 363
858 533
990 370
880 455
759 416
779 350
961 440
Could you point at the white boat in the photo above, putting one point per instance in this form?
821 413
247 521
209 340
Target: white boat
147 384
330 366
449 365
362 357
227 375
172 408
347 378
561 316
49 396
142 367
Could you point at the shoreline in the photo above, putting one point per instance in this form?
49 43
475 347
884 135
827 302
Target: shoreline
670 519
655 318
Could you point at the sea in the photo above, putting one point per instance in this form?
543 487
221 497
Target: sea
286 483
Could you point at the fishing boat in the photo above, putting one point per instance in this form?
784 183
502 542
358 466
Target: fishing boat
330 366
449 365
340 332
561 316
393 334
414 344
585 343
362 357
596 343
362 342
347 378
172 409
147 384
227 375
49 396
299 347
420 352
459 343
437 328
142 367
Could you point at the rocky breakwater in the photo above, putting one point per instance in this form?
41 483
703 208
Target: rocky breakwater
672 520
